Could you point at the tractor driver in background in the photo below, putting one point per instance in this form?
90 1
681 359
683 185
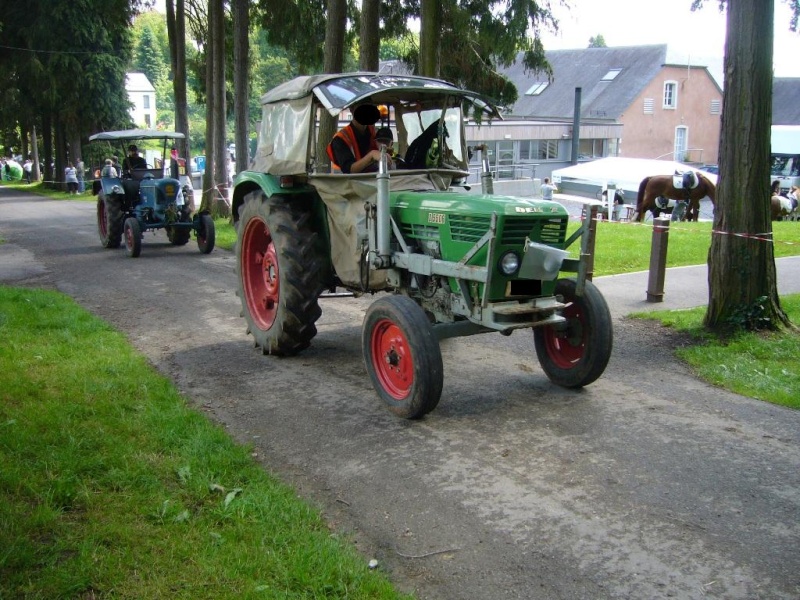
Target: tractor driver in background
354 148
133 160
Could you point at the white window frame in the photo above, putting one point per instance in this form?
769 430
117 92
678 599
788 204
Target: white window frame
676 151
671 101
146 101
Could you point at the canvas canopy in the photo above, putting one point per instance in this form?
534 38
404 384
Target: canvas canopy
289 110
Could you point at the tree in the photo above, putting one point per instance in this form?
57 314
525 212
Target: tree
176 32
241 88
148 57
369 38
741 280
597 41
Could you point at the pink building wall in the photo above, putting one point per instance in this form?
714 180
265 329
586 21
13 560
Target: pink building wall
653 135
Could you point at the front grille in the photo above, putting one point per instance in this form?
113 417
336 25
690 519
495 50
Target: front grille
420 232
469 228
546 231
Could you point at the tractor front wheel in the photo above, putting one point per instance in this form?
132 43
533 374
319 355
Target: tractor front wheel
206 234
575 353
279 268
133 237
109 220
402 356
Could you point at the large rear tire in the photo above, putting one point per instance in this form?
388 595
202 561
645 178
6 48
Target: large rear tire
402 356
109 220
575 353
279 269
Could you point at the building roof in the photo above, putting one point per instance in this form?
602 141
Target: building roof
786 101
609 78
138 82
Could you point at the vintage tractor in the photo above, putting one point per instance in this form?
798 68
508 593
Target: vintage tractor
137 200
445 261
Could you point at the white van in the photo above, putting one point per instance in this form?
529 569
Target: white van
785 156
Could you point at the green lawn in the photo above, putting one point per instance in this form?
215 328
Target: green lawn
111 486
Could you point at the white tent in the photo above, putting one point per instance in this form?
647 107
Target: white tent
624 173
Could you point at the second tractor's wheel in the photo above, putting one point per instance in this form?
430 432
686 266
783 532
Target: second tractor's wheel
279 267
575 353
206 234
109 221
133 237
402 356
178 236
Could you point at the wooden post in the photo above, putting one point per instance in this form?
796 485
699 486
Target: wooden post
658 260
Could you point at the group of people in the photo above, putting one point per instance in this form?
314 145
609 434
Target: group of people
74 177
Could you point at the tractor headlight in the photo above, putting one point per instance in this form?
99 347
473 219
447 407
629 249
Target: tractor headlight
509 263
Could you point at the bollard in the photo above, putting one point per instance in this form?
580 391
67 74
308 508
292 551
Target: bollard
658 260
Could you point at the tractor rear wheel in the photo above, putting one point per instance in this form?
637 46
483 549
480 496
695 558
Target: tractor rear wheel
206 234
109 220
575 353
279 268
133 237
402 356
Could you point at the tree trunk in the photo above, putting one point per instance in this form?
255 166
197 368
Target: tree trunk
429 37
741 277
334 61
241 81
369 36
208 192
47 141
37 175
221 154
176 33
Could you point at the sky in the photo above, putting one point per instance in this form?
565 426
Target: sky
698 36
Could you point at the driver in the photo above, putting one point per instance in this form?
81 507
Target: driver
133 160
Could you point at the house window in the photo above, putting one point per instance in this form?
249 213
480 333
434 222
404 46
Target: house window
649 106
611 74
670 94
146 101
147 121
537 88
591 148
681 142
716 107
548 150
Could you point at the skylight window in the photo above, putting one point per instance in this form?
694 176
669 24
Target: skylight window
537 88
612 73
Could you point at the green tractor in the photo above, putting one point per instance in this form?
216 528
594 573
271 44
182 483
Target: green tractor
444 262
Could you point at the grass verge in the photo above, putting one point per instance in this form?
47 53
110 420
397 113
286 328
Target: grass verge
761 365
112 487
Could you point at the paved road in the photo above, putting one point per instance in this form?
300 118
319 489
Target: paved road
646 484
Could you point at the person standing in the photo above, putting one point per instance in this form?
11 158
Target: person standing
28 168
548 189
71 178
79 167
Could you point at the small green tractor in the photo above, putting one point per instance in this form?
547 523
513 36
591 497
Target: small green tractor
443 261
137 200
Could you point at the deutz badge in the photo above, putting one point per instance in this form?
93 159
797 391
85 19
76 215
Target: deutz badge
437 218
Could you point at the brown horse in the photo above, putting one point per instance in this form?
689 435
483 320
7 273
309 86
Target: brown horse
662 185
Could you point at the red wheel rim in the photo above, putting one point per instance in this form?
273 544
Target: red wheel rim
129 237
101 218
391 359
567 345
260 273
